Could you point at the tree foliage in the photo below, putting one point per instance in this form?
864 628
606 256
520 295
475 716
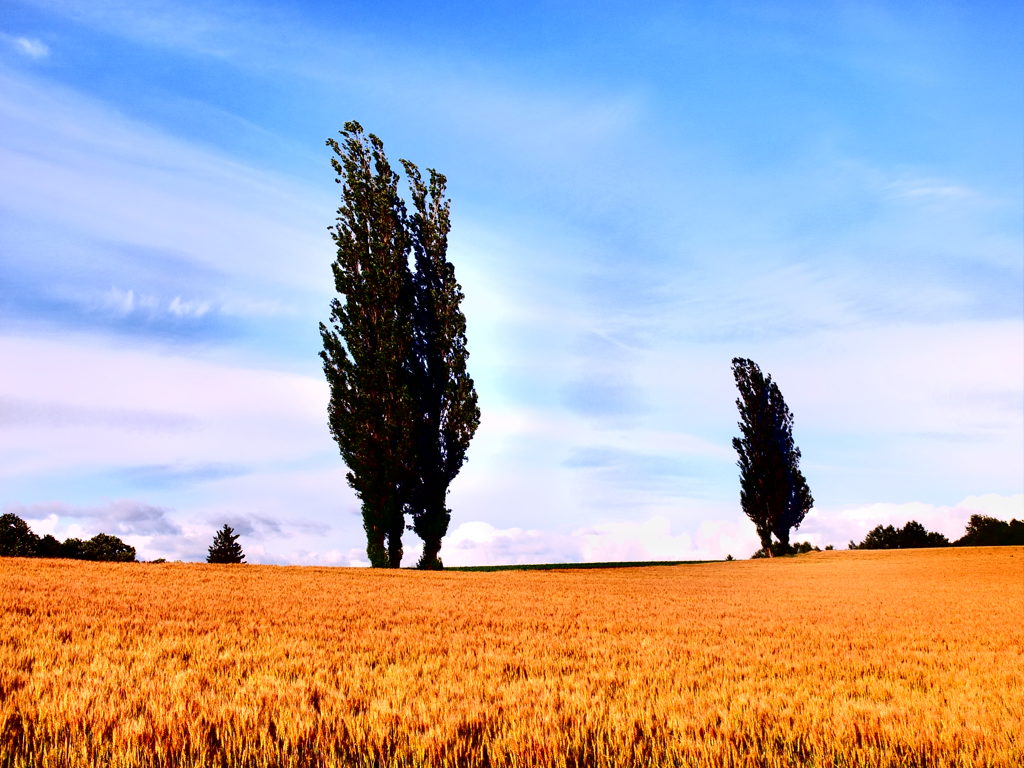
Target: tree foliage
984 531
18 540
49 546
981 531
108 548
225 547
773 491
913 535
447 414
368 346
798 548
403 408
73 549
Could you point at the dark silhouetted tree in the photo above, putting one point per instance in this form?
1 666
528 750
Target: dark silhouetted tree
403 407
367 350
913 535
73 549
985 531
879 537
225 547
916 536
49 547
445 399
108 548
773 491
16 538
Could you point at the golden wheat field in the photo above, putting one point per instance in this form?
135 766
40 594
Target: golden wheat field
905 658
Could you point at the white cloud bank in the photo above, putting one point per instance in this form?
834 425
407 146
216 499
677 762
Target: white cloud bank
659 538
160 532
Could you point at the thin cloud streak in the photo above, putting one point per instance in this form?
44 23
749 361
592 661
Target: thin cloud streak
113 184
29 47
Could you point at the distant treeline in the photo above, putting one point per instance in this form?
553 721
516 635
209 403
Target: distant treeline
982 531
18 540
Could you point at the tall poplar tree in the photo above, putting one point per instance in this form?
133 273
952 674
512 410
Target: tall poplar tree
773 491
403 408
448 414
367 352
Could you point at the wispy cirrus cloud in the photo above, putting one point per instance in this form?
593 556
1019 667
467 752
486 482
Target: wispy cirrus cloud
172 25
112 190
29 47
125 302
933 189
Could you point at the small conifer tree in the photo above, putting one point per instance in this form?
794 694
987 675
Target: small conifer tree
225 547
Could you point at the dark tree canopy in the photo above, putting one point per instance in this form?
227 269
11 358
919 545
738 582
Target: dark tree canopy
447 414
913 535
798 548
984 531
73 549
108 548
16 538
49 547
368 346
225 547
402 406
773 491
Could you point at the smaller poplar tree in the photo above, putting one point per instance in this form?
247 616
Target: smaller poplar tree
225 547
773 491
447 414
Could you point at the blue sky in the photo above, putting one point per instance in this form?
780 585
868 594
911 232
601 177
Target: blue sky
640 193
